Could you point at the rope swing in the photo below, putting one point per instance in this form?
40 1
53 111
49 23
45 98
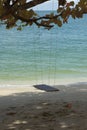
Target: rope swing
50 75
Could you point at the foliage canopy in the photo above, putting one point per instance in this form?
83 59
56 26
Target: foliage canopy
13 10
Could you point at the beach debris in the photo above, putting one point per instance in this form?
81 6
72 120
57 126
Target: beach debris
68 105
11 113
46 114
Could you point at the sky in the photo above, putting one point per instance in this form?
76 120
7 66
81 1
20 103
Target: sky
50 5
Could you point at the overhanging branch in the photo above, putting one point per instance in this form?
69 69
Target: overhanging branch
31 4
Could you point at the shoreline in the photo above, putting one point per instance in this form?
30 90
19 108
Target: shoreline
10 89
27 83
20 87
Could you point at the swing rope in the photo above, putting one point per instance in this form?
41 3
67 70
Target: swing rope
34 50
52 52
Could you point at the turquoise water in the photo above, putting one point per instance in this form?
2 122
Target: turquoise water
37 54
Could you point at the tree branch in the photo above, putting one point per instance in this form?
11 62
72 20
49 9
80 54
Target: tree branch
31 4
13 8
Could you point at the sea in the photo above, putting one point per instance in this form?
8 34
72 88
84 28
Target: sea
37 55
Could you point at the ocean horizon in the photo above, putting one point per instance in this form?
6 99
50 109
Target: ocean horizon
44 56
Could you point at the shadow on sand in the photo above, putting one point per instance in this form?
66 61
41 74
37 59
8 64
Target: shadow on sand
62 110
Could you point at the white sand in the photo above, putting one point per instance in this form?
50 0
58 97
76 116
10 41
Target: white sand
27 108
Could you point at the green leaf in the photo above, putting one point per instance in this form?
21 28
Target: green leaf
19 28
59 10
58 22
72 3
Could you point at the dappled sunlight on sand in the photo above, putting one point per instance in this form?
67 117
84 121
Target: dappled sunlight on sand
24 109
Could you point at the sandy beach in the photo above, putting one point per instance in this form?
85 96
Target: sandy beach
27 108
